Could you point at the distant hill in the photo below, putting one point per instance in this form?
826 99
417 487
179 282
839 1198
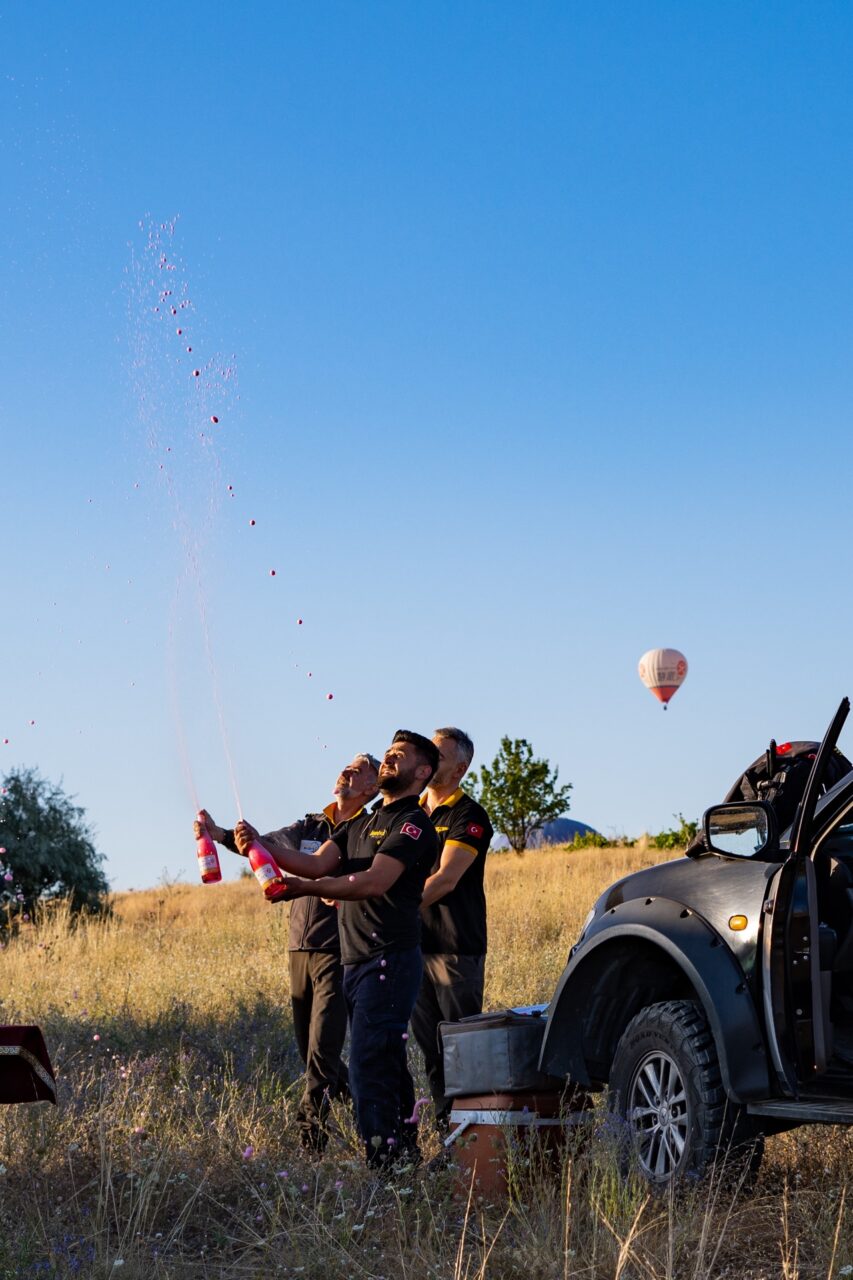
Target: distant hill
560 831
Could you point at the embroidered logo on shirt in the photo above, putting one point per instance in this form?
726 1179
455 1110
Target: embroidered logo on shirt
409 829
309 846
474 829
377 835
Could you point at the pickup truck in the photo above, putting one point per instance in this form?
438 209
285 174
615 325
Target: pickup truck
712 995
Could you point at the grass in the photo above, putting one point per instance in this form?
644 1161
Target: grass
174 1153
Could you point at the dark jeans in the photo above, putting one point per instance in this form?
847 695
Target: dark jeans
452 988
380 995
320 1024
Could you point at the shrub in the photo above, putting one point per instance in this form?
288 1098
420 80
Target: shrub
676 837
589 840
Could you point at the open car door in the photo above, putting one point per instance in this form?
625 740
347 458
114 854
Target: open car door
796 1015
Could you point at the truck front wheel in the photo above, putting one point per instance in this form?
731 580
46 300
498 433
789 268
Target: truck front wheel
666 1088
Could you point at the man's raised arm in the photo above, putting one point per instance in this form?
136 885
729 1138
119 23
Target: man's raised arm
309 865
373 882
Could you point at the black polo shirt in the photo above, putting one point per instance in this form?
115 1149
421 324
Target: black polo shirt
456 924
313 924
391 922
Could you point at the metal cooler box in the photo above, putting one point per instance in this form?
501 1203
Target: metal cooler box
495 1053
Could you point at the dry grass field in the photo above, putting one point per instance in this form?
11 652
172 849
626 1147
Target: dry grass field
174 1152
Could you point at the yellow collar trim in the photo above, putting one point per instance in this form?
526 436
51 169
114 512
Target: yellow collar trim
329 812
445 804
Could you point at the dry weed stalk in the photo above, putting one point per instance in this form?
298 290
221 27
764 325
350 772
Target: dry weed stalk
839 1218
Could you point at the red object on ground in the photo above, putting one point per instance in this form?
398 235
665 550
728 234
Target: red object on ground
492 1133
208 858
25 1071
267 871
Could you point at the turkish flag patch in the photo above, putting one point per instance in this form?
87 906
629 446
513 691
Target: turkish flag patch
409 829
474 829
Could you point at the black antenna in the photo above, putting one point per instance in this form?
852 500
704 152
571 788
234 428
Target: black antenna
771 759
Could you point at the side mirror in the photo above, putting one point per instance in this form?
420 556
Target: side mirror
739 830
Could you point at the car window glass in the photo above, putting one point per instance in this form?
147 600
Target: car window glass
838 841
833 864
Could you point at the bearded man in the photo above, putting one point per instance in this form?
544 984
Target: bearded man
376 868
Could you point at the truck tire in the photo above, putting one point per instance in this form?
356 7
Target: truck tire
668 1093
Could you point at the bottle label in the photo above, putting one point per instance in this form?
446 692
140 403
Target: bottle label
266 872
208 862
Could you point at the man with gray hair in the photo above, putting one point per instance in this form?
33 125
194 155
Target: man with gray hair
316 972
453 909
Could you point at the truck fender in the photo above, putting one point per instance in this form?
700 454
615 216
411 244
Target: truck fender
688 943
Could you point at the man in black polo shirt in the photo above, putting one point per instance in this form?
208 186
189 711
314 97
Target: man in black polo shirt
314 949
382 860
453 910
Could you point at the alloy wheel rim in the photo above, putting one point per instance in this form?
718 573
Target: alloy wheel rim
658 1115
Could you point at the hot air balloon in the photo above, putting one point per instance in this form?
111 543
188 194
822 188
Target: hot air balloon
662 671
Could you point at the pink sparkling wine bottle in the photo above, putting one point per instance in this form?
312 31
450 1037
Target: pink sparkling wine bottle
208 858
267 871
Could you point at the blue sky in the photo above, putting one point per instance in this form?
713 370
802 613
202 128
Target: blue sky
529 332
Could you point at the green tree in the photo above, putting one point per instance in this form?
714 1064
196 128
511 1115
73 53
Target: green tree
519 792
47 847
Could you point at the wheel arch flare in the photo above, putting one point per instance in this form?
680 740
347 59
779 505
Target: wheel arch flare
638 953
